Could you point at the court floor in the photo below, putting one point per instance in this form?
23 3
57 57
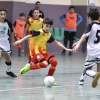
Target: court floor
30 85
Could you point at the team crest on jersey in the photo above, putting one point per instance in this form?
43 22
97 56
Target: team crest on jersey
4 28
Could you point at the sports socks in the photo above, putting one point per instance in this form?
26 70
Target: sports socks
52 69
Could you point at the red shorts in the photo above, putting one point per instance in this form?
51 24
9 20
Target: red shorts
42 57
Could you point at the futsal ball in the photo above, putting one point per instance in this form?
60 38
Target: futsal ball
49 81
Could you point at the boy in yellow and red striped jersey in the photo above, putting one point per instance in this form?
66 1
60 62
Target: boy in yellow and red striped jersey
34 23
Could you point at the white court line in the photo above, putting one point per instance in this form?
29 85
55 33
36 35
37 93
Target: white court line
39 87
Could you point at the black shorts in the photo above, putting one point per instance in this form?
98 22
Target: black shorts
69 35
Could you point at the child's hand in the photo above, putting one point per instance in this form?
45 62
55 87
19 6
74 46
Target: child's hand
12 44
76 47
69 50
75 44
17 42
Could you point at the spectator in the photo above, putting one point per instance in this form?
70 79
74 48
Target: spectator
71 21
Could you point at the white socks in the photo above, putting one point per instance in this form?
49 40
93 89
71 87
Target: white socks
83 76
8 68
90 73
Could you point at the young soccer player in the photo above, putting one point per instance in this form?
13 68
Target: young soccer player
19 28
6 40
92 35
40 56
34 23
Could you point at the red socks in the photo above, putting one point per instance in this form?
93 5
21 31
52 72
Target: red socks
52 69
37 66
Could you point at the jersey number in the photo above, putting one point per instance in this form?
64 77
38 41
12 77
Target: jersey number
98 37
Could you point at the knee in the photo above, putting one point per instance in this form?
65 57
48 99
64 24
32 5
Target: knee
45 63
89 68
53 62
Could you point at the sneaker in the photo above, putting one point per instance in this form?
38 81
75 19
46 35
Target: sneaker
24 69
95 80
81 82
70 53
11 74
63 53
55 84
21 53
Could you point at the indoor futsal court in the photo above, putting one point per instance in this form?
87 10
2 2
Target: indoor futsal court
48 27
30 85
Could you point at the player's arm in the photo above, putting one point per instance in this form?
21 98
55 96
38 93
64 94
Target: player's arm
32 34
58 43
79 19
62 17
61 45
23 39
77 44
14 27
83 38
11 33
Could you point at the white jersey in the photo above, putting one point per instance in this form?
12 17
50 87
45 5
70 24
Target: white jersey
5 30
93 44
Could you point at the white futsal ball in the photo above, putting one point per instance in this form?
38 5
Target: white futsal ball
49 81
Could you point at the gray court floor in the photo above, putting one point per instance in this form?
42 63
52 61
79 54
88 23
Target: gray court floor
30 85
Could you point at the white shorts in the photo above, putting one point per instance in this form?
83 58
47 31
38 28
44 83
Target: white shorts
5 48
91 61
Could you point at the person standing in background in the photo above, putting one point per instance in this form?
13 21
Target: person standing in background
71 21
37 6
34 23
19 29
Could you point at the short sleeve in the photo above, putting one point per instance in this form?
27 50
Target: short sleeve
14 24
10 25
51 39
88 30
35 33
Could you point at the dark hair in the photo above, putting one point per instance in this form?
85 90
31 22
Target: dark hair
48 21
3 9
36 9
21 14
37 2
93 14
71 7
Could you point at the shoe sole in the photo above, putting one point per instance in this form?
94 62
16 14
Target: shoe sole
95 80
22 71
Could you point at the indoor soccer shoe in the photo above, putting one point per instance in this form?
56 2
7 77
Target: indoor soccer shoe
70 53
55 84
25 69
11 74
81 82
63 53
95 80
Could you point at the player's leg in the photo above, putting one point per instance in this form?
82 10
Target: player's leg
97 76
87 71
52 69
41 63
17 37
65 42
71 41
8 64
